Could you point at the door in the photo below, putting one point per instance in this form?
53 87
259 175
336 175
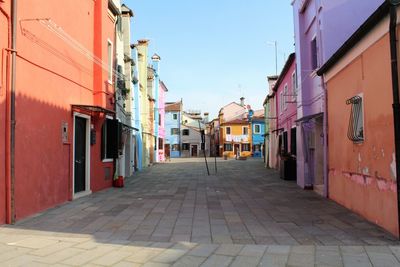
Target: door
167 151
80 155
194 151
237 150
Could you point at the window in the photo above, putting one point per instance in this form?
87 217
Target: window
110 61
293 145
257 128
185 132
245 130
174 116
174 131
285 94
185 146
160 143
155 143
294 86
281 102
355 131
314 53
159 119
257 148
175 147
245 147
111 137
228 147
228 130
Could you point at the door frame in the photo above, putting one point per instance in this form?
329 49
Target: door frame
87 161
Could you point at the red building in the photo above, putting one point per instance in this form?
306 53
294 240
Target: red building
65 135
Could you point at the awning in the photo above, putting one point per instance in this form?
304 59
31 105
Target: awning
128 127
307 118
92 109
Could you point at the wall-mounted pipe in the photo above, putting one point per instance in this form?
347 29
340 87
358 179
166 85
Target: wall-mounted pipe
12 107
396 102
7 124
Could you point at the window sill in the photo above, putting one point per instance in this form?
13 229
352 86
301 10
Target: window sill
107 160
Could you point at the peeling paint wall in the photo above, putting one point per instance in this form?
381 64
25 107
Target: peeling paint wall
362 175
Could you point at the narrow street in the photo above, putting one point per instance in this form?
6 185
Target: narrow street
174 214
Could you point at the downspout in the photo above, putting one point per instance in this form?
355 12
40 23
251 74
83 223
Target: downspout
395 89
11 190
7 124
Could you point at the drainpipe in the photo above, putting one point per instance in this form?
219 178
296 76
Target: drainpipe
11 141
395 88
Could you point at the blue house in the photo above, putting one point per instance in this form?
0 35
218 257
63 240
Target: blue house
258 128
173 139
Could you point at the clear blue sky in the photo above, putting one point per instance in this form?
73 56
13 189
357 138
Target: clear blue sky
215 51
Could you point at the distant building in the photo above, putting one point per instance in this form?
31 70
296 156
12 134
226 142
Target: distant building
173 117
235 130
191 132
258 130
161 122
271 139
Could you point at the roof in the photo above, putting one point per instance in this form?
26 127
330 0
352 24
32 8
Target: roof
237 121
258 113
357 36
175 106
268 97
285 69
163 86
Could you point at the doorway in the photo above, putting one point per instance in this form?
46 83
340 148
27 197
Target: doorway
194 151
81 157
236 150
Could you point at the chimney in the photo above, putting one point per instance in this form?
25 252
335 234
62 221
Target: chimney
242 101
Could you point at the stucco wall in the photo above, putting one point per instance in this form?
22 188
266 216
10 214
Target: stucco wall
361 175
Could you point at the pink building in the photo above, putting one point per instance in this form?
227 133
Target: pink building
161 127
286 110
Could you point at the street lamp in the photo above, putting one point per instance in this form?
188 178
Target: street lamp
275 43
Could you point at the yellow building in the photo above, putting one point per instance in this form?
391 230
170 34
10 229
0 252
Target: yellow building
235 139
142 48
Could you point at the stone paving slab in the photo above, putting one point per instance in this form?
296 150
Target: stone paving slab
175 215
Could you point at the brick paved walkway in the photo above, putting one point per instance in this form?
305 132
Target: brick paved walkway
174 214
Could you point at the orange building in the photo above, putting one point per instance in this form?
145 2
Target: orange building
236 138
65 134
362 173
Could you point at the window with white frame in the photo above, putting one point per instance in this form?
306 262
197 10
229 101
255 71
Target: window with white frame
110 61
281 102
355 130
257 128
285 94
174 116
294 85
228 130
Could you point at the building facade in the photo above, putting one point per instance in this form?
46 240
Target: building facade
362 159
161 121
65 143
191 131
258 131
316 38
173 118
271 140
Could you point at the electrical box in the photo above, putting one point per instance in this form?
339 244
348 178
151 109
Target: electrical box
92 136
64 132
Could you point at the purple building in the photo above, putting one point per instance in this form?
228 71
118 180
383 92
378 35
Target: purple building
321 27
